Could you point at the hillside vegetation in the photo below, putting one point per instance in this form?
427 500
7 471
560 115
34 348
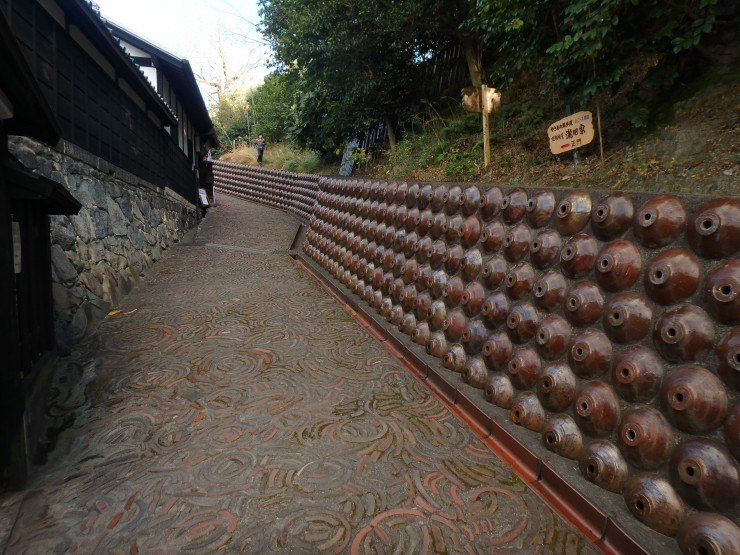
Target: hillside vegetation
664 78
693 148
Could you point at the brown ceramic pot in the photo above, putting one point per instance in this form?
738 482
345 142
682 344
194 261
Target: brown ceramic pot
495 309
603 464
578 255
540 208
456 359
475 373
473 337
721 292
470 231
519 280
473 297
499 390
562 436
544 251
556 387
627 317
492 236
573 212
516 242
494 271
472 200
596 408
714 230
671 276
552 336
645 436
583 303
514 205
655 503
549 290
528 412
727 354
612 216
439 198
618 265
708 534
437 345
693 399
705 474
455 200
590 353
491 201
684 333
637 374
471 264
522 322
524 367
659 221
454 324
425 197
453 291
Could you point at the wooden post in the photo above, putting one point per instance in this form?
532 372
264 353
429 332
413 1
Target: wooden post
486 126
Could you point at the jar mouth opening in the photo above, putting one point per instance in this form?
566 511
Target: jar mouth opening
580 352
647 218
672 332
724 293
564 208
632 434
601 213
707 223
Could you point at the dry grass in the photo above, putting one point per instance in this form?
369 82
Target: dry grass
280 156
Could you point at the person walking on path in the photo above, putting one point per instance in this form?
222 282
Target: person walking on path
260 144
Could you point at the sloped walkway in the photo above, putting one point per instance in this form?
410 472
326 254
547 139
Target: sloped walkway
234 407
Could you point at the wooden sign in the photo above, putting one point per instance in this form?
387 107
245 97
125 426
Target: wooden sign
571 132
471 99
203 197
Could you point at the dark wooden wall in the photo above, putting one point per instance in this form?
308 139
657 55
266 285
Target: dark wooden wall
92 109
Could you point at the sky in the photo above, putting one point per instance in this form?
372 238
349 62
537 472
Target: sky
192 29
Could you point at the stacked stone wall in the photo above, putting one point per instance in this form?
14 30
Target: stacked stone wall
99 254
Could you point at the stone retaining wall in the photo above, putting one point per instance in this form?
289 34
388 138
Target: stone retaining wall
123 227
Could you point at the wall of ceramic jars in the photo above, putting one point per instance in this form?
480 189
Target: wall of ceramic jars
607 322
289 191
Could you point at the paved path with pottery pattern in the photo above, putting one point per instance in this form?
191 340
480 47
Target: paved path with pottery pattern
234 407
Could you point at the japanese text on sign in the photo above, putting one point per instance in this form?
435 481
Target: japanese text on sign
571 132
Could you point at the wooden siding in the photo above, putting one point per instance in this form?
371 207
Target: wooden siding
93 110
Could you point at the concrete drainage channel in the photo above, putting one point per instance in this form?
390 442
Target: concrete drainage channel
592 338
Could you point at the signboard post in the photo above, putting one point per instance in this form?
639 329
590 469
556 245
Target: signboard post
486 129
571 132
491 102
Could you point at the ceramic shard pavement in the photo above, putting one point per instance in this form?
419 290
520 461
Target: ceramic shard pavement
234 407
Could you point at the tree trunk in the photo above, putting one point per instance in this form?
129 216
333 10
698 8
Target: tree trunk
391 131
473 58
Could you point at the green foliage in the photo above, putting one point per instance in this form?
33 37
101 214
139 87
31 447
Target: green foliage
272 107
355 63
231 117
342 66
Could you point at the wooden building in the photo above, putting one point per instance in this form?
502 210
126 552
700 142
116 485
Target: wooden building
103 102
175 82
26 323
67 81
